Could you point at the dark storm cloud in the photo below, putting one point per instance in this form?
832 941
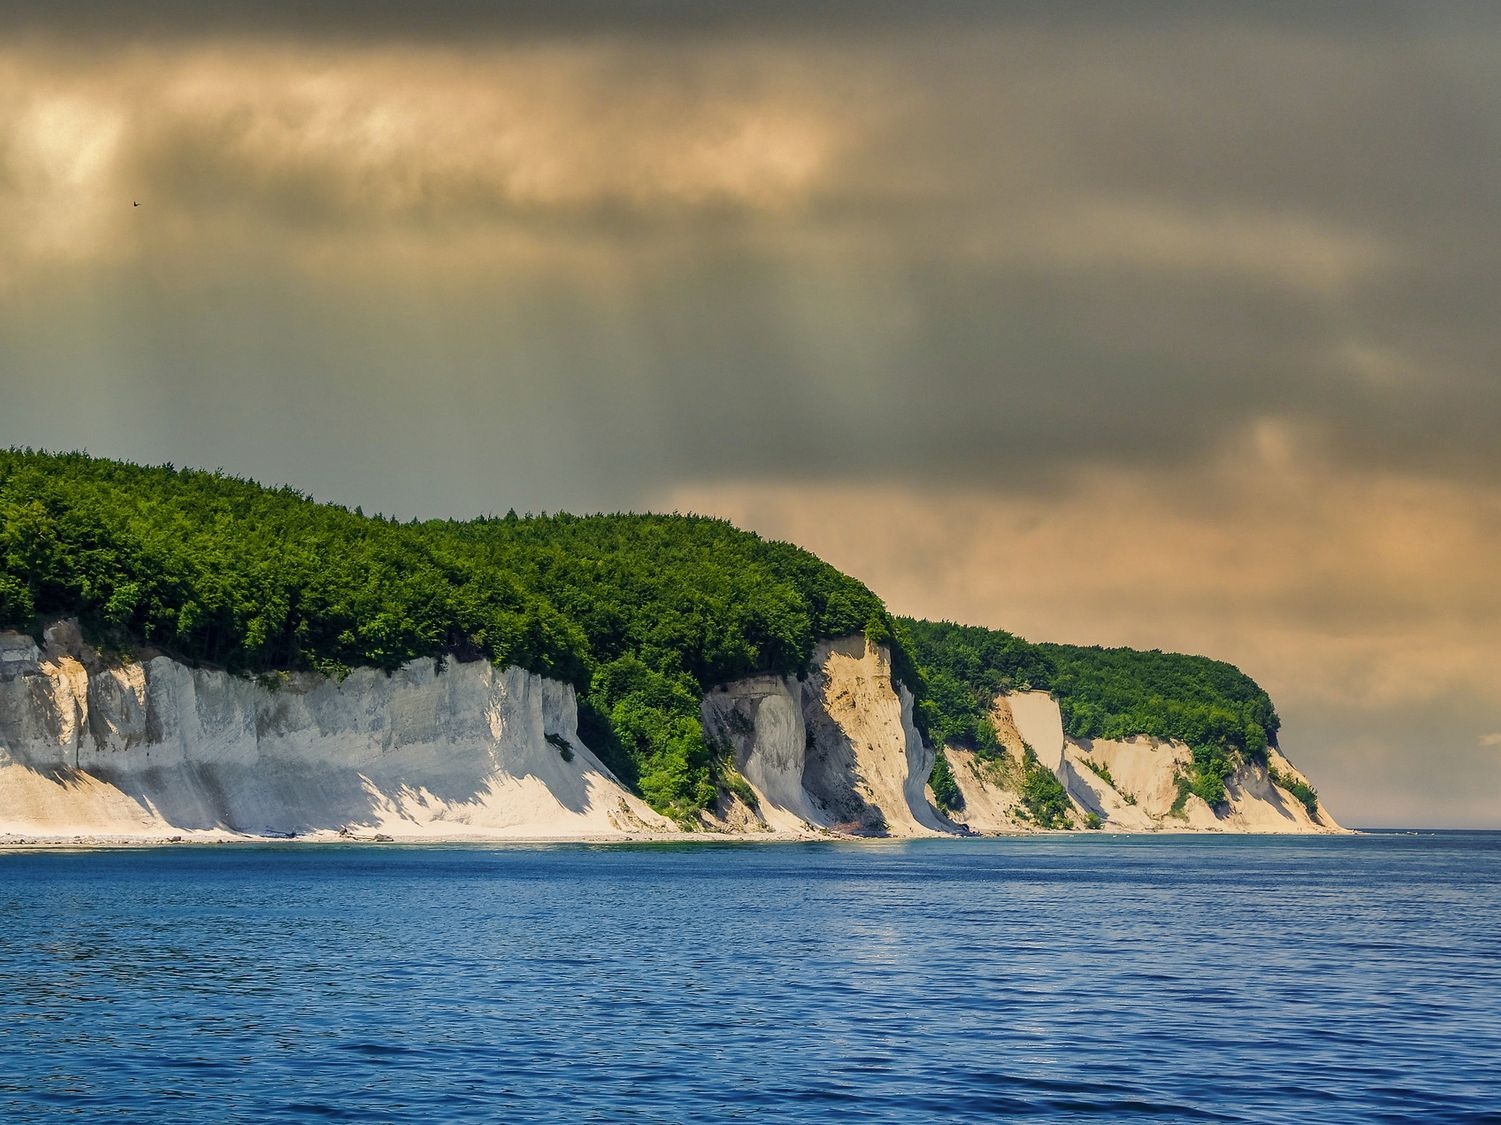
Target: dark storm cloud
466 20
1031 237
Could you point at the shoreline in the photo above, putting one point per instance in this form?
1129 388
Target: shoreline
111 842
158 753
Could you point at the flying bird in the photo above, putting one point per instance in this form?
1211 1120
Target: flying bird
133 203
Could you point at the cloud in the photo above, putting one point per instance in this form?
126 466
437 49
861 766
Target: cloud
959 253
301 146
465 20
960 256
462 20
1492 739
1117 237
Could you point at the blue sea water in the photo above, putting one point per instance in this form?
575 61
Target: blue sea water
1046 979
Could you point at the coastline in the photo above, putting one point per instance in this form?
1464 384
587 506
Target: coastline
95 753
215 838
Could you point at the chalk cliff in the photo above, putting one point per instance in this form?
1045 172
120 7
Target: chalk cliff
151 748
154 749
835 750
1131 785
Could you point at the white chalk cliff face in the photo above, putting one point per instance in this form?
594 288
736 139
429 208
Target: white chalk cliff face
837 750
1130 784
155 749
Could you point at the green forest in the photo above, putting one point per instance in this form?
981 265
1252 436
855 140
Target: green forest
641 613
1213 707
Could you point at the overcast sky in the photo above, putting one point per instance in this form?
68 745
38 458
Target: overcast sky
1172 325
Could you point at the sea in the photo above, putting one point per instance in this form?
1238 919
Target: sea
1042 979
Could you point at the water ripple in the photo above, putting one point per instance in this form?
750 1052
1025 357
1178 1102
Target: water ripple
1169 979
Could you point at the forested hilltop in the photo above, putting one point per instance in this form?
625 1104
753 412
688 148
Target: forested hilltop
641 613
1213 707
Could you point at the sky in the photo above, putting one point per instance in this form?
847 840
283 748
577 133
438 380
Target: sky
1158 324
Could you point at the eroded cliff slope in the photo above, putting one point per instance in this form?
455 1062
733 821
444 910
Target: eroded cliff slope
1136 784
835 750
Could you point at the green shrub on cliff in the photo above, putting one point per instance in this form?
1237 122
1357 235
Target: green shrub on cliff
945 788
1101 770
1043 795
956 713
1306 794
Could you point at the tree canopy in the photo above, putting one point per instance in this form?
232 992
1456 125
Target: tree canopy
642 613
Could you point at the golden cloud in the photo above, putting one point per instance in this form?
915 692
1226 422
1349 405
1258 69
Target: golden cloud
302 141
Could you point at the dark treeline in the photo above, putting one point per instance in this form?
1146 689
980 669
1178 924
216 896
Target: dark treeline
642 613
1102 692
